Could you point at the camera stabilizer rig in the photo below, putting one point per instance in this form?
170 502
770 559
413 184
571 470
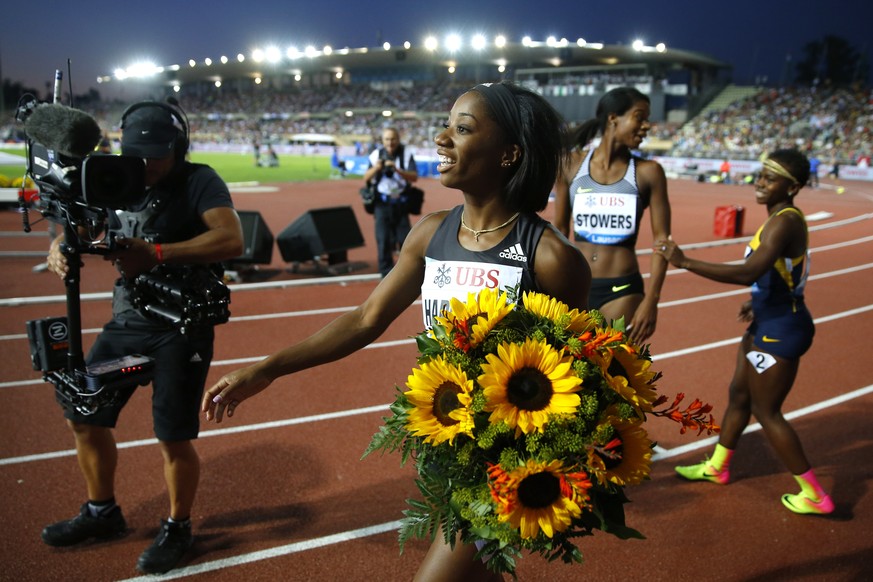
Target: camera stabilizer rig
76 190
85 389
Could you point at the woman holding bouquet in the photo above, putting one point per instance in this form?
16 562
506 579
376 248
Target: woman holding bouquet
501 148
781 330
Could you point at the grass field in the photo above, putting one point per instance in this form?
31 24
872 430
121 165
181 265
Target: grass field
234 167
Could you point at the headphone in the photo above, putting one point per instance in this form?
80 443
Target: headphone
175 110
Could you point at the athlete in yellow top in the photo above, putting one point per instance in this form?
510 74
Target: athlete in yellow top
776 266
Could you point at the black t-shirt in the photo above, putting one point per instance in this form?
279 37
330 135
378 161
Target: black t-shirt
171 212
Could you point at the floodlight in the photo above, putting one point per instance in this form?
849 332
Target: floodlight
500 41
453 42
176 88
218 83
292 52
223 60
407 45
257 55
207 61
526 41
431 43
581 41
386 45
240 57
273 55
551 41
192 63
478 42
637 45
387 113
327 50
660 47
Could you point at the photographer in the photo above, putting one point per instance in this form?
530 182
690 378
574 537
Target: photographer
391 171
186 219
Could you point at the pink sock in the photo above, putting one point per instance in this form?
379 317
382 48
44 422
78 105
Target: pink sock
810 485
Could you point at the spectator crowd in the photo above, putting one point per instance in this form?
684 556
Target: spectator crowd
830 124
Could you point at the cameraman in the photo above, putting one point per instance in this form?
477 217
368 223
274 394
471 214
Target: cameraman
187 218
391 171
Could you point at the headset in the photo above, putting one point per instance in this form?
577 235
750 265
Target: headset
175 110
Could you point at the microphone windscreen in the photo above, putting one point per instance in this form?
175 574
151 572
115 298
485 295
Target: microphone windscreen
70 132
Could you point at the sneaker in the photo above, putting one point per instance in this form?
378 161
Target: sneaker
173 541
704 472
800 503
83 527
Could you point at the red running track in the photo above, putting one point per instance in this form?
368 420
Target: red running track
284 495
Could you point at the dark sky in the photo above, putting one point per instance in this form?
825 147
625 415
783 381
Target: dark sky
98 36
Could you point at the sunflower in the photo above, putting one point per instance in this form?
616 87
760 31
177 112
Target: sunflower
525 383
440 395
559 313
468 323
626 459
630 376
538 496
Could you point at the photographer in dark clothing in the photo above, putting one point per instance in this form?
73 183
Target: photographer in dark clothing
186 221
391 171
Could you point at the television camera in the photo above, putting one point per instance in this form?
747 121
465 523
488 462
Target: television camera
78 189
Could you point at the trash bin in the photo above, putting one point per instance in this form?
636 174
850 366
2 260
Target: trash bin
729 221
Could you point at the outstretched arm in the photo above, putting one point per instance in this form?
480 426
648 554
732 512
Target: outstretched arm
345 335
779 233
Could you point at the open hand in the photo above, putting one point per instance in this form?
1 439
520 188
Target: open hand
231 390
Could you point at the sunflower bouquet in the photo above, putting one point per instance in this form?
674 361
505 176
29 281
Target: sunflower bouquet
525 423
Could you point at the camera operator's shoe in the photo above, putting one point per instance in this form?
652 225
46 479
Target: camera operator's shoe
173 542
85 526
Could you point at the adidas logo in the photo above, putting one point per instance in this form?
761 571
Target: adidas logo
196 358
514 253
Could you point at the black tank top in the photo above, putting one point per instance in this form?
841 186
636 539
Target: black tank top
451 271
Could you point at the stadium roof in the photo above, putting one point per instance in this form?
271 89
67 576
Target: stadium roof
519 57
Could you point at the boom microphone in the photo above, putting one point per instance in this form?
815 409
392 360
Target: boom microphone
70 132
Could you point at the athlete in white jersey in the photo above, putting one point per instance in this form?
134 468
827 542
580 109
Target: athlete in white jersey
600 197
489 151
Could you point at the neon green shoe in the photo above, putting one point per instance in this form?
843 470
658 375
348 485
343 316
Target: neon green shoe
704 472
800 503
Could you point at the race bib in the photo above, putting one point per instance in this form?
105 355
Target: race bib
604 218
760 361
444 280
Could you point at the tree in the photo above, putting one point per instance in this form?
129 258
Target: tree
833 61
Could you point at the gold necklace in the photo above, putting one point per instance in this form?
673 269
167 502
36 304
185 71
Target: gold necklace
476 233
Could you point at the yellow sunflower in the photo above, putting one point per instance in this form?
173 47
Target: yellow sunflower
626 459
558 312
538 496
525 383
630 376
470 322
440 394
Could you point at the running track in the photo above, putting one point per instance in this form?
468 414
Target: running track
284 496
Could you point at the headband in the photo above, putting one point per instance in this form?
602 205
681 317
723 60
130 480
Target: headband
504 107
776 168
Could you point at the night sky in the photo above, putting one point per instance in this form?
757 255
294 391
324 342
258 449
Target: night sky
755 36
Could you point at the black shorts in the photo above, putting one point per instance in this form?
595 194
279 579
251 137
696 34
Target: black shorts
788 336
181 365
605 290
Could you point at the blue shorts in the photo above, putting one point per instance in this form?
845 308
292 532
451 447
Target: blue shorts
605 290
181 366
788 336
